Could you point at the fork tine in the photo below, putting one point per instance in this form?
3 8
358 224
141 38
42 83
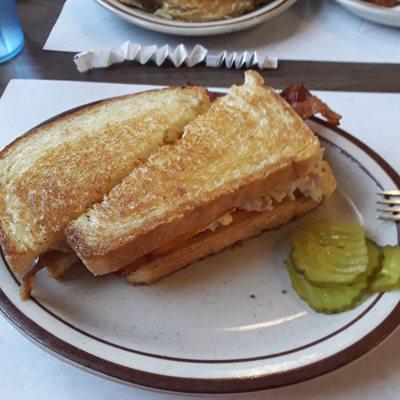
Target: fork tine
392 202
389 210
389 217
390 213
389 193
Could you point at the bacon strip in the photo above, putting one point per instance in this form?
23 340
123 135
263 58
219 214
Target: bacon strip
212 96
307 105
29 278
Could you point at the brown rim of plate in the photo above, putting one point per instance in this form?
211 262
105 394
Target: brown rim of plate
99 366
194 360
226 22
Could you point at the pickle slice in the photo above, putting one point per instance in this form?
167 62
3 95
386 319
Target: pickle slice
375 258
330 253
388 277
327 300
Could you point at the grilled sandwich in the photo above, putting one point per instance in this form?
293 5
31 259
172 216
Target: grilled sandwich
248 164
52 174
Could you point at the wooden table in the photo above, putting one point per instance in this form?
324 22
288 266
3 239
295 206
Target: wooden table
39 16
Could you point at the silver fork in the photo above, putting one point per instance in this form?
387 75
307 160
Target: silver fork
391 201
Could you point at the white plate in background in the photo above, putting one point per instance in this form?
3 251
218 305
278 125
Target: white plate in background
380 15
150 21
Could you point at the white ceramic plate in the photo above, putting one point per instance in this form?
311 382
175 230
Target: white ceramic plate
155 23
230 323
380 15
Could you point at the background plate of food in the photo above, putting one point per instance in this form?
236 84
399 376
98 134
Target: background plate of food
385 12
197 18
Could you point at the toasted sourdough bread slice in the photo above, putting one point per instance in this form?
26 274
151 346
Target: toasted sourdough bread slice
237 225
53 173
244 226
248 142
203 10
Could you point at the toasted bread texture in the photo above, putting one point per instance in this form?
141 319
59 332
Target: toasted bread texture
52 174
244 226
248 142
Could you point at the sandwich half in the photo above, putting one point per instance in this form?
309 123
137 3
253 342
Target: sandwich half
248 164
52 174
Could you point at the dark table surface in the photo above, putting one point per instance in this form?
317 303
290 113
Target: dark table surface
38 17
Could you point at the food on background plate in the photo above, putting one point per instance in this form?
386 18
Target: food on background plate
55 172
383 3
197 10
204 10
334 267
248 164
146 5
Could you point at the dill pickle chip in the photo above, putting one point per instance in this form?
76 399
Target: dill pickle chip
327 300
336 233
330 253
375 258
388 277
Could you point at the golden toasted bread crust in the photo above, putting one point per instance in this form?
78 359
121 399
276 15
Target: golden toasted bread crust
247 143
55 172
207 242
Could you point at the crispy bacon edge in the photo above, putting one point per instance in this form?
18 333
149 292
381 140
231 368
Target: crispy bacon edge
56 263
307 105
29 278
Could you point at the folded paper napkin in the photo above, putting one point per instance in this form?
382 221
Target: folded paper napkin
178 55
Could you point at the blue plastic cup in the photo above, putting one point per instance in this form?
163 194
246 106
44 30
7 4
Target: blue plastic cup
11 34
